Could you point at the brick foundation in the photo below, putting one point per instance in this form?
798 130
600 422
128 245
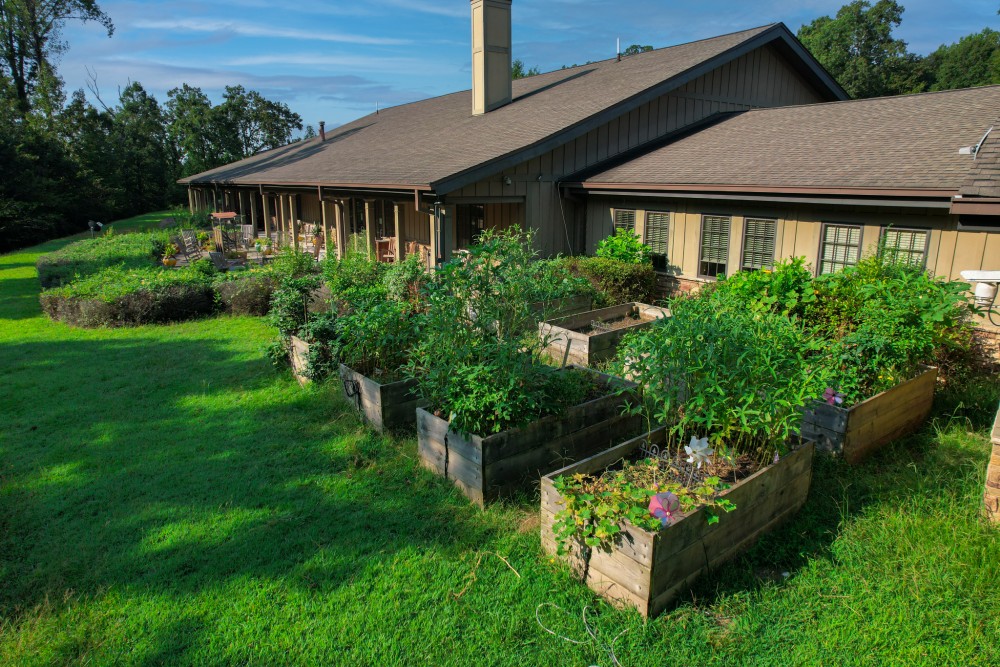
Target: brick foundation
992 495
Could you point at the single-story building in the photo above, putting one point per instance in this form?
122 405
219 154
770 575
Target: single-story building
723 154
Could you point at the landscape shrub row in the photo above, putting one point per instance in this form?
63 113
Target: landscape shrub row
89 256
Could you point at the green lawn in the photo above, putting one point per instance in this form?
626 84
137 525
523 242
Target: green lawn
166 497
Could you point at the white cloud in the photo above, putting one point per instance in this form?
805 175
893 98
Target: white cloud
255 30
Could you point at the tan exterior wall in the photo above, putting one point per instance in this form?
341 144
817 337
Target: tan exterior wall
761 78
799 230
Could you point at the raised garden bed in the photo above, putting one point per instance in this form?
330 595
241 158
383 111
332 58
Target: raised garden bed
298 354
488 468
648 570
570 305
593 336
993 475
857 432
386 407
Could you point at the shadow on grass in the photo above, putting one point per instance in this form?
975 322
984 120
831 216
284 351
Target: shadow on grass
174 466
19 298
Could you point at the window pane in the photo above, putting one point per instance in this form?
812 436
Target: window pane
841 247
714 245
624 219
657 232
907 245
758 243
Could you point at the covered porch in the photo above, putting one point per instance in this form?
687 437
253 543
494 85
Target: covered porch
390 224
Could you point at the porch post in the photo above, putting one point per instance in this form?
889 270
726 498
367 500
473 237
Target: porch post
435 221
327 241
369 227
447 232
293 221
338 221
215 200
267 215
253 213
281 221
399 231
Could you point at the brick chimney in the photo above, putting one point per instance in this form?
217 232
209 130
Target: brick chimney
491 55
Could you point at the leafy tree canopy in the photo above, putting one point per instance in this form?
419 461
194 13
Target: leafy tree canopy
518 70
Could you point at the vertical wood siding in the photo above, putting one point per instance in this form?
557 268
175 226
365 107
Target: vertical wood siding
760 78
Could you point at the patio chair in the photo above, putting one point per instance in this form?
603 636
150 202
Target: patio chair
249 235
224 265
190 245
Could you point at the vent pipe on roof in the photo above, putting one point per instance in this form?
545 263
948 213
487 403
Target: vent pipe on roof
491 55
322 130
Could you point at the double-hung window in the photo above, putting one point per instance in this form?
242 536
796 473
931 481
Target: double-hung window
908 246
841 247
657 238
624 219
714 255
759 236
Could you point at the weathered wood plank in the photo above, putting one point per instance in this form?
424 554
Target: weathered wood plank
674 557
383 406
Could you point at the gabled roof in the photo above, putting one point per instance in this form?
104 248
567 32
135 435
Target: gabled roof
893 143
438 143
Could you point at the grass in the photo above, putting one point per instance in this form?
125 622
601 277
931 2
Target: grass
166 497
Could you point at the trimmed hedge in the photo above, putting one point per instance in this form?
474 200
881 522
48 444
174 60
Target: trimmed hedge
245 292
615 281
119 297
90 256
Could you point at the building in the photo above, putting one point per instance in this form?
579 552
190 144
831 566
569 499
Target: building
724 153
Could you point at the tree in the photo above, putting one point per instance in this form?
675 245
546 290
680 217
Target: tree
972 61
636 49
518 70
30 43
310 133
248 123
858 49
192 130
146 172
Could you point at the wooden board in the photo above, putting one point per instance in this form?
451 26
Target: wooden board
490 468
299 357
385 407
859 431
563 339
649 570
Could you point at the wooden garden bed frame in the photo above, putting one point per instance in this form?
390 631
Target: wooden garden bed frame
992 495
385 407
857 432
648 570
488 468
299 356
570 305
564 341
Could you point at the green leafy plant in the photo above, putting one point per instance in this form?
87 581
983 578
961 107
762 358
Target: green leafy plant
478 359
614 281
787 288
170 250
625 246
596 507
290 303
377 339
84 258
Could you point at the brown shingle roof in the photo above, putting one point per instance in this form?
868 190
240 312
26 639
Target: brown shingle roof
886 143
984 177
428 141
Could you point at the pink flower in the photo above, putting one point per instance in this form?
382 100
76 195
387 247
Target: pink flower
833 397
664 506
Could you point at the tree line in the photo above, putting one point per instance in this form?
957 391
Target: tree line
65 160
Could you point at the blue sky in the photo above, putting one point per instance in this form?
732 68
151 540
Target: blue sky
335 61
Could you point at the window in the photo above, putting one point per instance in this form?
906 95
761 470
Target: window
841 247
906 245
624 219
714 245
759 236
471 219
657 237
